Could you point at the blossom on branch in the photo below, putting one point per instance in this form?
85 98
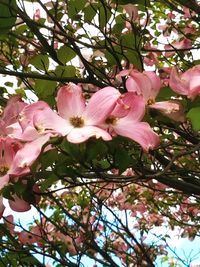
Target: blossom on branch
187 83
125 120
78 120
148 85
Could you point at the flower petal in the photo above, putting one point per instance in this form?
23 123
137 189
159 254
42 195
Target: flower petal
29 153
100 105
132 86
14 106
140 132
26 116
2 207
19 205
156 84
48 121
4 180
79 135
70 101
135 104
172 109
177 84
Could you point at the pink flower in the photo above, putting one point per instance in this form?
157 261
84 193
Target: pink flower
10 113
78 120
32 236
9 171
25 130
187 83
36 15
148 85
145 83
8 167
125 120
183 44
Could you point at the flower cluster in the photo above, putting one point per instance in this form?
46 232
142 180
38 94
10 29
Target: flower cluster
26 128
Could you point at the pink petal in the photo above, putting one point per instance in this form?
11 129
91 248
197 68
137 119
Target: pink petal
9 222
6 152
2 207
70 101
4 180
48 121
143 82
19 205
136 104
122 74
140 132
14 130
29 134
100 105
194 85
79 135
26 116
179 85
3 130
156 84
121 109
172 109
132 86
29 153
12 109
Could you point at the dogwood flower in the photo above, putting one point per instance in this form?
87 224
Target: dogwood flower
10 113
78 120
9 171
148 85
25 131
125 120
8 167
145 83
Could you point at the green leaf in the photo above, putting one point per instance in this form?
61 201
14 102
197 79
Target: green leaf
139 2
44 88
40 62
89 12
165 94
122 159
48 182
8 15
47 159
104 16
65 71
95 149
101 164
194 116
75 151
75 6
134 58
65 54
131 40
9 84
